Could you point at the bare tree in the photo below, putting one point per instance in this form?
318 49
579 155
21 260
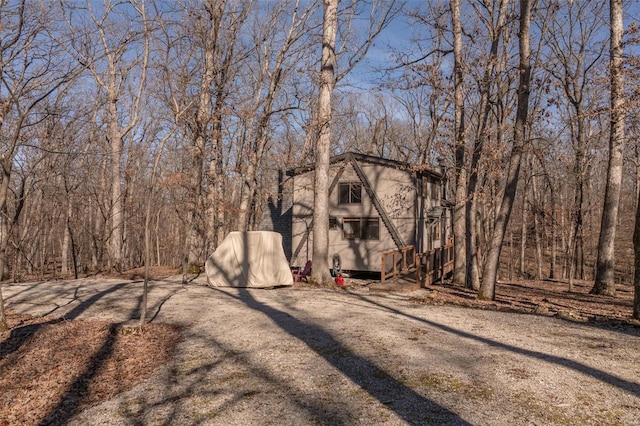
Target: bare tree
114 48
459 228
636 276
497 27
184 62
422 90
489 276
150 195
605 267
207 29
203 49
575 50
380 16
320 271
230 54
479 109
30 72
277 55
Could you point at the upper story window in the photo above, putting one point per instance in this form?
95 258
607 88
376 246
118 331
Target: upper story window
350 193
435 190
430 188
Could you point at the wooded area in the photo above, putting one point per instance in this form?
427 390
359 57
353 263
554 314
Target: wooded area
141 132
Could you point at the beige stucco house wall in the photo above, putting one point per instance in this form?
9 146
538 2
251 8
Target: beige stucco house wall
375 205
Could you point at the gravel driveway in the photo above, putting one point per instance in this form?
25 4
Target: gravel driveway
305 356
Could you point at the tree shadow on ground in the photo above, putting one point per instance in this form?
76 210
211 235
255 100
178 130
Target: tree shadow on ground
18 336
207 381
386 389
77 391
550 299
73 397
605 377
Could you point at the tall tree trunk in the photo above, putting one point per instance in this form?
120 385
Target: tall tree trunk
637 181
577 253
194 239
118 67
566 238
4 232
490 273
248 188
157 230
523 237
147 229
256 155
473 273
605 267
203 116
320 271
3 319
147 255
636 277
537 220
64 255
74 255
459 228
274 74
117 204
554 237
472 278
219 220
217 191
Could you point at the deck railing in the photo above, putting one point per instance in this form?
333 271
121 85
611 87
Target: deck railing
398 262
434 265
429 267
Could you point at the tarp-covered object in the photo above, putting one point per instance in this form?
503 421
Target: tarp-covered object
249 259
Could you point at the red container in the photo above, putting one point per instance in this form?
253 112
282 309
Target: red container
339 280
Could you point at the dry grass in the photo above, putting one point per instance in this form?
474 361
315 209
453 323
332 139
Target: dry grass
53 368
547 298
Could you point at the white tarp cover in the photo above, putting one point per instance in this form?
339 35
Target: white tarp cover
249 259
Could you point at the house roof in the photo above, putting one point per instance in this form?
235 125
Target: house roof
363 158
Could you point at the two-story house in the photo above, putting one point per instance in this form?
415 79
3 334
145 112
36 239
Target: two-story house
375 205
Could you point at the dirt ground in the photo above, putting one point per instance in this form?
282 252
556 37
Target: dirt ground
538 355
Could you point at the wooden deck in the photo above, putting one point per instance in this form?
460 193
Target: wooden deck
398 284
406 268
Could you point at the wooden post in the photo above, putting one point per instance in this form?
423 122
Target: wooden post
395 265
443 262
404 260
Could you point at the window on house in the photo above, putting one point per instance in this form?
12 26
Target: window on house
350 228
430 188
435 190
370 229
350 193
361 228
